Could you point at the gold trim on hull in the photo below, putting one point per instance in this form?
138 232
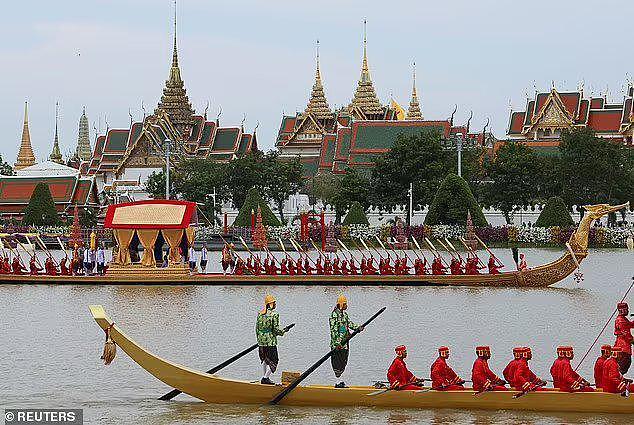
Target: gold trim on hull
213 389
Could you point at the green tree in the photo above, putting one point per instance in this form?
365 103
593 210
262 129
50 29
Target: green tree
511 176
322 186
555 213
356 215
283 178
87 218
592 169
41 208
5 168
252 201
452 202
155 185
419 160
351 187
196 180
243 173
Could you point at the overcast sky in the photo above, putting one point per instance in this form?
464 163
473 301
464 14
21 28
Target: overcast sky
256 58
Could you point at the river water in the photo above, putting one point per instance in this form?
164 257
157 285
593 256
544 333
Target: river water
50 345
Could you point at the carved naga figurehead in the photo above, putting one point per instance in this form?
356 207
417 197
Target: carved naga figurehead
579 239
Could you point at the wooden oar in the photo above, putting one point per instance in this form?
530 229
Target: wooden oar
352 257
221 366
39 240
446 248
366 247
435 251
419 248
233 250
488 250
358 249
464 243
453 248
16 253
604 326
321 254
383 246
523 393
397 388
299 249
319 362
25 250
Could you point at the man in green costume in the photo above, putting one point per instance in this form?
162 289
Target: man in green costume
340 328
267 329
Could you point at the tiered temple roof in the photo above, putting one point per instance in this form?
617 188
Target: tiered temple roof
56 154
365 104
26 157
548 113
413 112
83 151
174 100
318 105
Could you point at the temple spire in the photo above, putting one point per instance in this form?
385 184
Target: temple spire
56 155
365 99
26 157
83 151
174 101
413 112
317 104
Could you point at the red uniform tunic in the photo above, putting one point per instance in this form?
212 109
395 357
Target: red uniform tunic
509 372
623 333
483 377
353 267
327 267
565 378
335 267
34 269
299 266
17 267
319 267
399 376
370 266
493 267
307 267
612 381
437 267
443 377
598 371
524 379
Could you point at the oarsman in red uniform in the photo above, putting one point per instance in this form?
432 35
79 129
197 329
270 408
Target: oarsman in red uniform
291 267
564 377
283 267
482 376
437 267
509 370
257 266
327 266
2 266
472 266
344 267
493 266
239 268
443 377
456 266
227 258
34 270
267 266
64 270
318 267
524 379
7 265
308 269
17 266
606 353
404 267
370 266
49 267
335 266
623 333
522 266
387 268
273 266
353 266
398 375
299 266
612 380
248 266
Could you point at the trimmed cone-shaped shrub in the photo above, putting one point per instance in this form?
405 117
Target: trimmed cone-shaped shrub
356 215
555 213
451 203
41 208
251 203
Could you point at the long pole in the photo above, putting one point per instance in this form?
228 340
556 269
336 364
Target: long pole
167 168
604 326
411 196
319 362
219 367
489 251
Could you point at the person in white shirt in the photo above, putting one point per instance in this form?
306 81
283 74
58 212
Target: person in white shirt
203 259
192 259
101 260
87 261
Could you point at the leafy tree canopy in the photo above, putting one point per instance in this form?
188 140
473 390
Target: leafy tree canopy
555 213
452 202
356 215
41 208
252 201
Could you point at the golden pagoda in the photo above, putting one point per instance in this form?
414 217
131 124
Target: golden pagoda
365 104
413 112
318 105
56 155
83 150
174 101
26 157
